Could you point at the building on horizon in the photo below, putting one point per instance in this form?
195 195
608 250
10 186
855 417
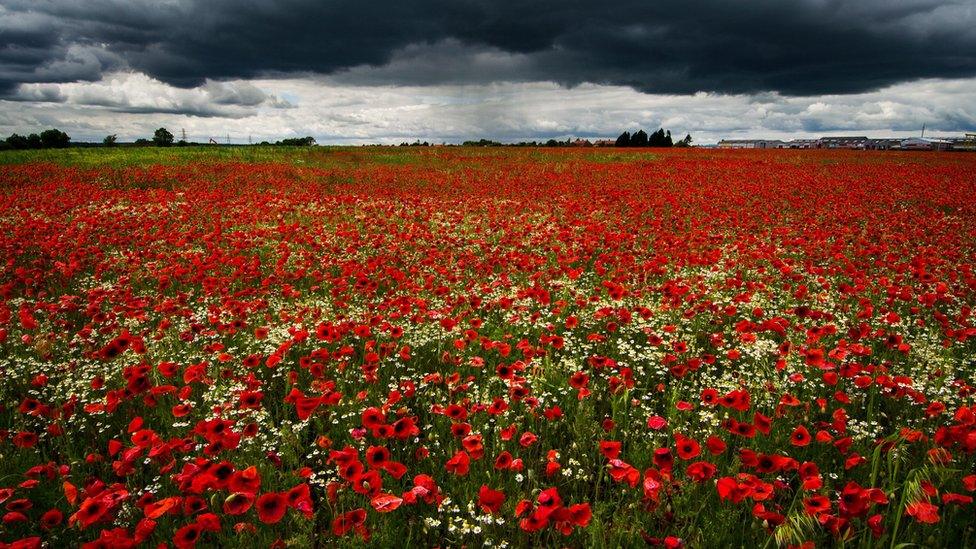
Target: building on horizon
842 142
883 144
925 144
752 144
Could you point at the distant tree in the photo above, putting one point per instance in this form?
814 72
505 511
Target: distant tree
668 142
297 142
109 140
639 139
481 143
143 142
162 138
16 142
54 139
658 139
686 142
33 141
623 140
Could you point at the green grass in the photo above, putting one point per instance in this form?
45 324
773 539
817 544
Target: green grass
319 156
119 157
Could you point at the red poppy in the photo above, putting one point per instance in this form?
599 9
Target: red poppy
246 481
923 511
687 448
800 436
701 471
490 500
187 536
384 503
503 460
271 507
347 522
458 464
610 449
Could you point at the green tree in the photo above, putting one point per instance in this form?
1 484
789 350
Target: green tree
686 142
109 140
297 142
623 140
162 138
639 139
659 139
17 141
54 139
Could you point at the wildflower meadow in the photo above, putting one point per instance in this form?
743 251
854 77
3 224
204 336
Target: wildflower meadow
474 347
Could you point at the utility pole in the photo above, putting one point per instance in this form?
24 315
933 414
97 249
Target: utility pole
923 130
183 130
228 139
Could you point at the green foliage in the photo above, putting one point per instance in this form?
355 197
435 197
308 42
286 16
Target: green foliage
47 139
660 138
297 142
162 138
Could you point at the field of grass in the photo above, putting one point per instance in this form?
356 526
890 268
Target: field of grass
460 347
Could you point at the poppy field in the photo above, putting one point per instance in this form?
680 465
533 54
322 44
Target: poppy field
464 347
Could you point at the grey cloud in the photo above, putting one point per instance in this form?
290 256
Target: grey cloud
800 47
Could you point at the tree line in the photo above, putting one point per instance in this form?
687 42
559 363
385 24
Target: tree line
47 139
57 139
660 138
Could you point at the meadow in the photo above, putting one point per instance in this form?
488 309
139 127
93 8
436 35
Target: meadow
500 347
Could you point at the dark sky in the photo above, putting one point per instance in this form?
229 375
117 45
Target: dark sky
204 59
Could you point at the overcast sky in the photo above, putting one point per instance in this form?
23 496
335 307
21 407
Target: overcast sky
447 70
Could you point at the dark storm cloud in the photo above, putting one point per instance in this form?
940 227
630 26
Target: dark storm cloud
796 48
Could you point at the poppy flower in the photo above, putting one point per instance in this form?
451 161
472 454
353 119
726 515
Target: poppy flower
621 471
271 507
161 507
458 464
527 439
663 458
405 428
610 449
800 436
503 460
715 445
385 503
377 456
91 511
51 518
701 471
687 448
490 500
373 418
657 423
923 512
187 536
346 522
246 481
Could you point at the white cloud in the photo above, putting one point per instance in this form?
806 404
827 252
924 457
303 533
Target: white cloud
137 93
333 111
